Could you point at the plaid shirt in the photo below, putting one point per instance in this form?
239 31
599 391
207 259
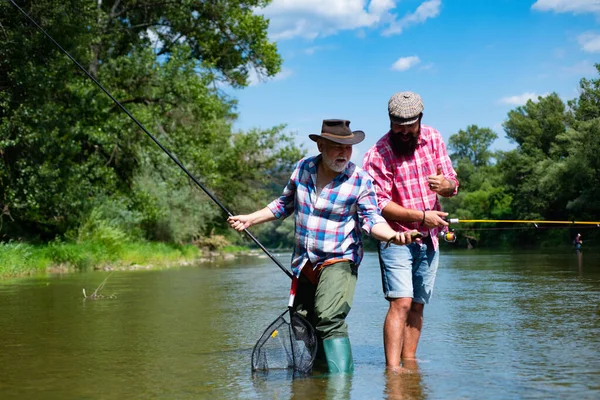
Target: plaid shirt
403 180
328 225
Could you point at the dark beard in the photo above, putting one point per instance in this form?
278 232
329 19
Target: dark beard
402 148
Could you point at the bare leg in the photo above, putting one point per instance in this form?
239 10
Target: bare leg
412 331
393 330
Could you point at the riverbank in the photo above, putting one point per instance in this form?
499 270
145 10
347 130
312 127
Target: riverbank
22 259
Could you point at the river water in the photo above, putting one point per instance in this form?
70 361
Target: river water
500 326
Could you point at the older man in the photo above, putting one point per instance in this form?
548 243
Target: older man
333 202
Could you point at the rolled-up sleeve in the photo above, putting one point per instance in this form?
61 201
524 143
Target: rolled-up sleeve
369 213
383 177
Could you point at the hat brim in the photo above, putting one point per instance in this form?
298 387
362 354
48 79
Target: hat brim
357 137
404 121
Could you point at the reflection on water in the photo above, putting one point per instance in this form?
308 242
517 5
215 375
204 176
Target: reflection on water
500 325
324 387
405 384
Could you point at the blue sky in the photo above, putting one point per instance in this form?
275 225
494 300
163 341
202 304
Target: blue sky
472 61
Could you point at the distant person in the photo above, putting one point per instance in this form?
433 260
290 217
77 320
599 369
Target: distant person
333 202
577 242
410 167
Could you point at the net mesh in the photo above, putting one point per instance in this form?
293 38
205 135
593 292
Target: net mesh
286 344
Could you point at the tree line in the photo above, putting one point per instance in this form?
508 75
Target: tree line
73 166
553 174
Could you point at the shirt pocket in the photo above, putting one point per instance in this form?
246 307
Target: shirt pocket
428 166
342 207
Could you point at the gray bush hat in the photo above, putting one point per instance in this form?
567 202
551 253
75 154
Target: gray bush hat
338 131
405 108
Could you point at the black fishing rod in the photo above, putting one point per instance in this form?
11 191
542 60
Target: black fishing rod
189 174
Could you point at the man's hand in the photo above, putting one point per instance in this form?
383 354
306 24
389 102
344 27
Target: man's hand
240 222
402 238
439 184
435 218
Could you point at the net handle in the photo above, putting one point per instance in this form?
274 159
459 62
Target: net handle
293 289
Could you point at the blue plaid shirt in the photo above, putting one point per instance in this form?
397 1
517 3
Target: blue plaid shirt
328 225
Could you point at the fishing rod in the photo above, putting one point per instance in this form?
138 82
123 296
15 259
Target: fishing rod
450 236
171 156
524 228
520 221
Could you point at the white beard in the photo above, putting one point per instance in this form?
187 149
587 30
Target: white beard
335 165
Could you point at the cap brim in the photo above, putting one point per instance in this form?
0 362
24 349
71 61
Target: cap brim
358 137
403 121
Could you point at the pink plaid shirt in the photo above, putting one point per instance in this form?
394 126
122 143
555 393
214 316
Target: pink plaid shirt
403 180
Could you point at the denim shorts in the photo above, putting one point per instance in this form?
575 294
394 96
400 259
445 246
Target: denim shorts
409 271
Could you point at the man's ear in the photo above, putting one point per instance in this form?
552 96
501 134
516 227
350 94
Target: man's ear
320 145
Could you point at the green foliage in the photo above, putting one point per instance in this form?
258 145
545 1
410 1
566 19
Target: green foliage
553 174
74 166
212 242
587 106
69 155
535 126
18 259
98 229
173 210
21 258
472 145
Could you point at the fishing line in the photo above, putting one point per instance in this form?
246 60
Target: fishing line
189 174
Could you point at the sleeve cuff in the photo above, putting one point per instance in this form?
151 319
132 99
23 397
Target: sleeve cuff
275 208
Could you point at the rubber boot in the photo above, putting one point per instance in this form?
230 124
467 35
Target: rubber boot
339 355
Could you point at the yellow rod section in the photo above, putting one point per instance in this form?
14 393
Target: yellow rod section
520 221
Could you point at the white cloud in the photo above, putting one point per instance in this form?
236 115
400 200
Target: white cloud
404 63
565 6
312 50
312 18
590 42
283 74
585 68
380 7
428 9
521 99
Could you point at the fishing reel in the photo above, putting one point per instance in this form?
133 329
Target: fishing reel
448 235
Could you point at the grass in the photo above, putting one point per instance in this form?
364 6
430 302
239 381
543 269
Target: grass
21 259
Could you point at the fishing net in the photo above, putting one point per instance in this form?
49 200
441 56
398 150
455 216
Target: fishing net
288 343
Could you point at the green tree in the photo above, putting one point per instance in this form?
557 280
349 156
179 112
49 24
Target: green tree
470 153
535 126
482 194
65 147
472 144
587 106
539 129
581 172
